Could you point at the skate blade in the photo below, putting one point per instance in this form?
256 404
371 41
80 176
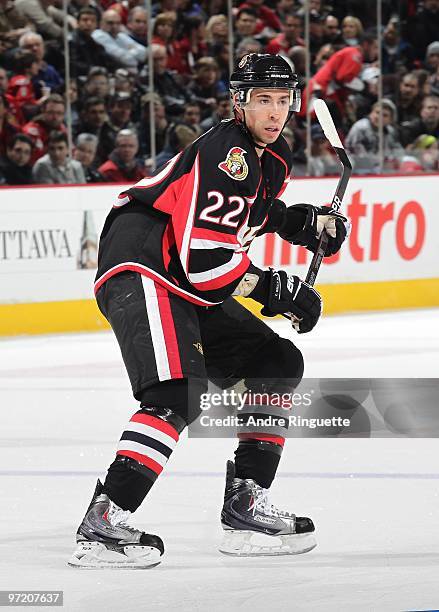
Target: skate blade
95 555
253 544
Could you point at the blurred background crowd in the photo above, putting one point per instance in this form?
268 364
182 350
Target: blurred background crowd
100 109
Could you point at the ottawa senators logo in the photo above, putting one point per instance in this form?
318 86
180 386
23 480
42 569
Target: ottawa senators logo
235 165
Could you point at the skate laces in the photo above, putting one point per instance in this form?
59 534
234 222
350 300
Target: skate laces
118 517
262 504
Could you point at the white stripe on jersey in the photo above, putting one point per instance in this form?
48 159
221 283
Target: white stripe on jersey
141 269
152 432
122 202
150 181
190 218
202 243
155 324
136 447
200 277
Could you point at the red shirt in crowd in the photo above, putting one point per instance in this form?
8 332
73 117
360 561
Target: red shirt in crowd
187 55
176 61
114 174
20 93
334 76
281 45
39 132
122 9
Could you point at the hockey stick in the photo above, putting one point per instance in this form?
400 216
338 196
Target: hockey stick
328 127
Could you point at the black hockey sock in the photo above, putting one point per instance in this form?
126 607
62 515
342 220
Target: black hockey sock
144 448
258 460
126 486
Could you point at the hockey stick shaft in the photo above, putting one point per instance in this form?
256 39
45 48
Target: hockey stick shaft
328 127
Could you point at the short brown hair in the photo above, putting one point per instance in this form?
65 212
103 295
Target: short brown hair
54 99
206 62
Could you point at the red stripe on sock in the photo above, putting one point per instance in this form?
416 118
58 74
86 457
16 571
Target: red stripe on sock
143 459
264 437
155 422
169 332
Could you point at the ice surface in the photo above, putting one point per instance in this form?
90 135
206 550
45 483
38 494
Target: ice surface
64 401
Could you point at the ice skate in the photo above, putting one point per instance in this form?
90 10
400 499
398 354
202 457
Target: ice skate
104 540
254 527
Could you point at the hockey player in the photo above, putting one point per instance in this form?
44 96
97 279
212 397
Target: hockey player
173 251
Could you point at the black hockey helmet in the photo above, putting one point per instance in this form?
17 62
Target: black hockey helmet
262 70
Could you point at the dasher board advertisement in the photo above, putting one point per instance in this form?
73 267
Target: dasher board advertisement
49 240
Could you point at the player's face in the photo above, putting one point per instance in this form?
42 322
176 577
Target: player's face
266 114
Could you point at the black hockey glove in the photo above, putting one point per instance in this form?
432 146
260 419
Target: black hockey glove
281 293
304 223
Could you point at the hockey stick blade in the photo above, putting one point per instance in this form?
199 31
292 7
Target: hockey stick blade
328 127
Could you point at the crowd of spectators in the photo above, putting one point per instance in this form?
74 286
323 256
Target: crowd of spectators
110 106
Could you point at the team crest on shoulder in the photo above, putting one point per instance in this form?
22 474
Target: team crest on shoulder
235 165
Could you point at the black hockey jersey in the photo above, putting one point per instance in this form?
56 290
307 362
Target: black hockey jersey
189 227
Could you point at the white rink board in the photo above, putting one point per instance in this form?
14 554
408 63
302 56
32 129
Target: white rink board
392 239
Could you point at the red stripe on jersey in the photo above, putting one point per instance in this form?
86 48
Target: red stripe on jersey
170 197
264 223
280 159
160 424
167 242
264 437
284 186
169 332
146 461
134 267
208 234
225 279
